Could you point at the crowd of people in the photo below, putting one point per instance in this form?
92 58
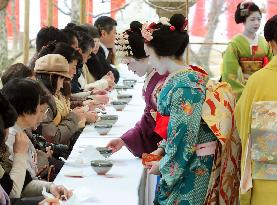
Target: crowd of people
202 130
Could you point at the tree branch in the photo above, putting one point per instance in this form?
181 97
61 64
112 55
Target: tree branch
114 10
66 5
64 12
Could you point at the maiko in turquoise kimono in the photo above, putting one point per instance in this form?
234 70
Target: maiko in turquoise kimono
185 169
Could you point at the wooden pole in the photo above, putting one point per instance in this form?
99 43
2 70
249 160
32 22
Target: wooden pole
82 11
50 13
208 43
187 13
26 32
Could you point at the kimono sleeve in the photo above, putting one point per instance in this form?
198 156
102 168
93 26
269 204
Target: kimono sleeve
231 72
142 139
183 128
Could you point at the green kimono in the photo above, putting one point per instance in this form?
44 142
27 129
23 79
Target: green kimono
241 59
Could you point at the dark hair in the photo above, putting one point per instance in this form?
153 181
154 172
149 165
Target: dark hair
170 42
270 29
70 35
105 23
136 40
23 94
50 81
43 94
242 13
47 35
63 49
8 117
70 26
18 70
66 90
92 30
85 41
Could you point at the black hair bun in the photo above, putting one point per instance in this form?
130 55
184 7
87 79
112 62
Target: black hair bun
136 40
238 18
178 21
70 26
135 26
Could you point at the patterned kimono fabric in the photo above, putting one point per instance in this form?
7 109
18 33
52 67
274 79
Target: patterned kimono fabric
185 174
218 113
242 58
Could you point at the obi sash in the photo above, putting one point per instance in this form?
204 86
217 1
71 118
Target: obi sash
264 140
251 65
261 150
161 125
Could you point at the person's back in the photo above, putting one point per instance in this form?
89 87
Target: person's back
260 87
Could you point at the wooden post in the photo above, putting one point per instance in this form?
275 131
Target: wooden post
82 11
26 32
187 13
50 13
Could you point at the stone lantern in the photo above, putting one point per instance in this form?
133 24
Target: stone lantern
166 8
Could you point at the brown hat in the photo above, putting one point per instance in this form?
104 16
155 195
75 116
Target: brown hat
52 64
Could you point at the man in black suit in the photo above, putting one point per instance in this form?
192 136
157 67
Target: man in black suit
107 30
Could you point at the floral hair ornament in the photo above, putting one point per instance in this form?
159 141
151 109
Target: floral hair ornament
122 45
185 25
147 30
165 21
244 8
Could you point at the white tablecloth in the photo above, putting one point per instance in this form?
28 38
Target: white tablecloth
120 185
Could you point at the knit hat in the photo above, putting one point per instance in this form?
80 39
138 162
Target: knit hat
52 64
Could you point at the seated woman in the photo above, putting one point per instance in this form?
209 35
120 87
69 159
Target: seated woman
78 97
31 108
96 70
72 56
259 189
142 138
60 124
15 178
80 81
44 155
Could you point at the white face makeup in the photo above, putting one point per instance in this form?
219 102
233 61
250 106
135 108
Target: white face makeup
139 67
253 22
155 61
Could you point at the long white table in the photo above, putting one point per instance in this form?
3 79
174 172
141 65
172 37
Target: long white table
120 185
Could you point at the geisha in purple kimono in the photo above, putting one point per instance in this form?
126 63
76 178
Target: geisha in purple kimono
142 138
